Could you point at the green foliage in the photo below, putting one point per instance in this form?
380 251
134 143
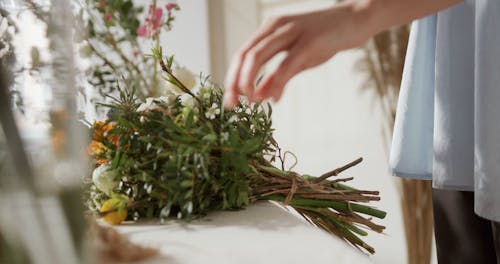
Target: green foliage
175 160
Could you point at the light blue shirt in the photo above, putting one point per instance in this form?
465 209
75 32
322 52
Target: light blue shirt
447 125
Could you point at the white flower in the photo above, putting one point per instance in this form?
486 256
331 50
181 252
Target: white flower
185 76
232 119
104 178
169 98
212 111
153 103
224 136
148 105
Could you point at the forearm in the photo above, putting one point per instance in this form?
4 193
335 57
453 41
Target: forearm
380 15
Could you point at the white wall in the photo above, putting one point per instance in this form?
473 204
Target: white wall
189 38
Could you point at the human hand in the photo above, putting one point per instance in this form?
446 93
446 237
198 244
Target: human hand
308 39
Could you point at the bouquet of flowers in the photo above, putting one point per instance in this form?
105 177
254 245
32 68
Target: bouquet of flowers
183 155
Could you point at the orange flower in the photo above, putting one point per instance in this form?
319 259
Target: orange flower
113 138
101 161
100 132
96 148
97 131
109 126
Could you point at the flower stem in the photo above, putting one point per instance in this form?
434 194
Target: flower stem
155 89
337 205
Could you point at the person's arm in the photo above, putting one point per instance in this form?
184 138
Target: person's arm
312 38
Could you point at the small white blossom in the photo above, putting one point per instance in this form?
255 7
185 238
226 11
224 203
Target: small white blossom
224 136
148 187
232 119
169 98
212 111
160 149
148 105
104 178
154 103
189 207
165 212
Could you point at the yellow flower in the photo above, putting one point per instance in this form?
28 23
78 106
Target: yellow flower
113 218
96 148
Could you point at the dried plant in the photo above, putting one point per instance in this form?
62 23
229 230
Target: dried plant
383 63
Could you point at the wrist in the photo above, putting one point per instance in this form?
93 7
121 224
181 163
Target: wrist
363 15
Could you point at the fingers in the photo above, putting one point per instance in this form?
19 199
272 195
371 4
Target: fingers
233 74
272 86
267 28
262 52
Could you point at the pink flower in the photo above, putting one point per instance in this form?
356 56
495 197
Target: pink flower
171 6
108 17
142 31
102 4
153 23
156 18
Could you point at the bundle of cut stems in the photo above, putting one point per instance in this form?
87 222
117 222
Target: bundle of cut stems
327 204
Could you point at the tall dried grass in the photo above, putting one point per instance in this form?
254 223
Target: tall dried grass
383 62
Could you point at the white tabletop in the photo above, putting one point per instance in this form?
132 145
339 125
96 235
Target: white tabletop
262 233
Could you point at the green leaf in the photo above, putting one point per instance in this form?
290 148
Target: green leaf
188 194
116 160
186 183
189 119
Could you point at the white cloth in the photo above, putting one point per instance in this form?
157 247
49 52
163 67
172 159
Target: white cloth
448 121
